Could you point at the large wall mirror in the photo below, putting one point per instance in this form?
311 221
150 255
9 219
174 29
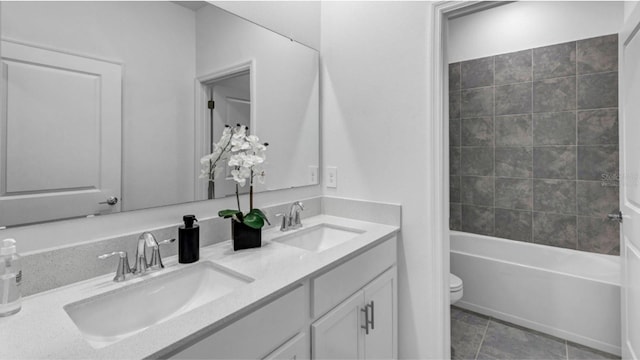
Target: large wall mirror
106 105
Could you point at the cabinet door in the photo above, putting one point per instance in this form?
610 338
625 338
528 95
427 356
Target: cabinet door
294 349
337 335
381 300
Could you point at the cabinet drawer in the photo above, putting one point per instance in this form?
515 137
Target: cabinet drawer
332 287
256 334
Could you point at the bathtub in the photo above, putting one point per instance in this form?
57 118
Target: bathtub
570 294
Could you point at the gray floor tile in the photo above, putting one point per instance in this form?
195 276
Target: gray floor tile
473 333
467 329
579 352
469 317
505 341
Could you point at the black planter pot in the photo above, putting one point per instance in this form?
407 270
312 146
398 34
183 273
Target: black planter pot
245 237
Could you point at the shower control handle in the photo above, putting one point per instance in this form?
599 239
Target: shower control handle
615 216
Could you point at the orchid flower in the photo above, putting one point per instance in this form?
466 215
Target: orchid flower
211 164
245 154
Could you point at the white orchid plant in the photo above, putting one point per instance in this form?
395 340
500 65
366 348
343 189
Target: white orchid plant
245 155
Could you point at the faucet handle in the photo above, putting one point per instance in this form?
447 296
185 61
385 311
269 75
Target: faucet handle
294 220
123 264
168 241
156 259
284 225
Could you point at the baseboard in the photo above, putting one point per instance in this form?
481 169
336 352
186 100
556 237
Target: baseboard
578 339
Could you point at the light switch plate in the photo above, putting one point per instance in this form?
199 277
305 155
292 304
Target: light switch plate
332 177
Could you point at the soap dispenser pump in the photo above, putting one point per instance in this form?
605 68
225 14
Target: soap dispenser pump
188 240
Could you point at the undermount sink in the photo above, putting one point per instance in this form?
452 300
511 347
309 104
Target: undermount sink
319 237
113 316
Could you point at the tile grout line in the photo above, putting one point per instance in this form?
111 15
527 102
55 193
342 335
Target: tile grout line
539 146
528 178
535 80
577 162
532 148
460 137
545 112
484 334
493 120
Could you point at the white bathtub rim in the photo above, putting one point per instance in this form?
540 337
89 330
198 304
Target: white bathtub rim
528 244
537 268
562 334
609 279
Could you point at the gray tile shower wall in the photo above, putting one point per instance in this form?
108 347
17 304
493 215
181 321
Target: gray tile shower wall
533 141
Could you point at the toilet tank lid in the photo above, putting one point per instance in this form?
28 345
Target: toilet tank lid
455 283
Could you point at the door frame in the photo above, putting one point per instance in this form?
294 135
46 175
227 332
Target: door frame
626 33
438 155
202 83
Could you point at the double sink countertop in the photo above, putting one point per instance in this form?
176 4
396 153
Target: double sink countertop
43 329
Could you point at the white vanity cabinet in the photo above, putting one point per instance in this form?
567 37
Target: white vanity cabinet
347 312
364 326
274 331
361 327
380 296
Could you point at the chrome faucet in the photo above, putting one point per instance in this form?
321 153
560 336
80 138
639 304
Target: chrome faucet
144 240
142 265
292 219
148 240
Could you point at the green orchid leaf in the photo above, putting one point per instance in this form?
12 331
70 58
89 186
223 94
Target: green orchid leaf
261 214
227 213
253 220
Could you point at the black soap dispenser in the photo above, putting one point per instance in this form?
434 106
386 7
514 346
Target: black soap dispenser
188 240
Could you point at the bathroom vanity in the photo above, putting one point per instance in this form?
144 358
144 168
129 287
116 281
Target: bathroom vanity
327 289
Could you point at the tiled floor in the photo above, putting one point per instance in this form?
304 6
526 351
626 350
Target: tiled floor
475 336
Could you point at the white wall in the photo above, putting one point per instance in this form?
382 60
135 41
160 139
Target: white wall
298 20
375 121
528 24
155 42
286 103
629 6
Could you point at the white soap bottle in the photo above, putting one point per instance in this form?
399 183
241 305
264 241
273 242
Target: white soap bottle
10 278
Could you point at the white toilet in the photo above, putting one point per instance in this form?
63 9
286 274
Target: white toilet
455 287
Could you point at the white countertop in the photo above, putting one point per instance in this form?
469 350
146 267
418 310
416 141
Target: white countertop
42 329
